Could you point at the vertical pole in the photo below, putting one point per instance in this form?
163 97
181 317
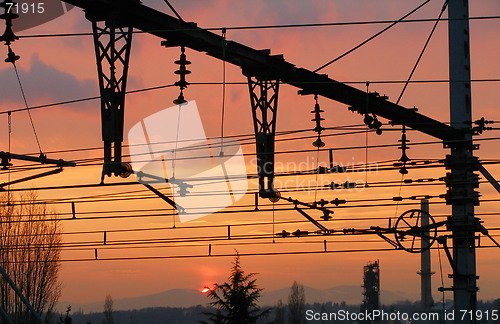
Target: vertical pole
264 100
112 43
461 179
21 296
425 262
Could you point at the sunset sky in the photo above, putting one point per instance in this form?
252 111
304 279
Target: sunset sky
57 69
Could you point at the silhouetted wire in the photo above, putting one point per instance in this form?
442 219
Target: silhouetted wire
27 108
250 209
61 103
373 185
173 10
348 23
372 37
422 51
242 254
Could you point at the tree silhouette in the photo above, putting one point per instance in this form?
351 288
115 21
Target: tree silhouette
108 310
296 304
30 247
279 313
235 301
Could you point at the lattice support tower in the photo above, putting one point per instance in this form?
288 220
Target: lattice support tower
264 102
371 287
112 43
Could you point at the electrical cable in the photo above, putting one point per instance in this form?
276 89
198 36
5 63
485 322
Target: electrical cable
27 108
441 274
371 38
50 105
445 5
242 254
173 10
254 27
223 108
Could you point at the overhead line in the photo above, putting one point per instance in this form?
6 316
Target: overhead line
243 254
50 105
349 23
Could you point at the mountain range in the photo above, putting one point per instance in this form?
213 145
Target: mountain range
351 295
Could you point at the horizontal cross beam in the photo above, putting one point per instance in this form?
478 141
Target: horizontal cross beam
262 64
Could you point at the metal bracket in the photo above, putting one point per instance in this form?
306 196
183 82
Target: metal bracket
322 228
444 240
112 44
172 203
489 177
264 101
6 157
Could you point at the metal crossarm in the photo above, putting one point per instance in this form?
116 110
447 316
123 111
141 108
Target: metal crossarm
112 43
176 31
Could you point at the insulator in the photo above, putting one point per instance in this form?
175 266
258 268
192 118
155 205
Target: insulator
368 120
404 158
5 163
283 234
326 215
318 143
180 99
318 119
299 233
317 109
319 129
322 202
404 140
181 83
337 201
348 185
182 72
322 170
8 35
182 191
182 60
11 57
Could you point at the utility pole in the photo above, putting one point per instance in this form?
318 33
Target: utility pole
425 262
461 180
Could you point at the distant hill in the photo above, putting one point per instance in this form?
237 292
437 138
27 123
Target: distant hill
169 298
352 295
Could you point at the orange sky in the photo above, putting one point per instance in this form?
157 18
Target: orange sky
62 68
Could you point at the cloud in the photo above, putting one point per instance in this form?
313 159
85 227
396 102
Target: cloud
293 12
43 83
